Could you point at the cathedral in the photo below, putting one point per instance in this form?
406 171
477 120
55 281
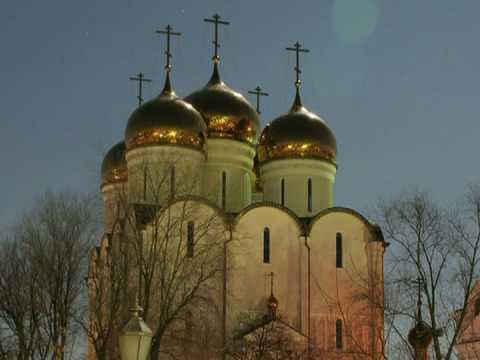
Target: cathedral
225 229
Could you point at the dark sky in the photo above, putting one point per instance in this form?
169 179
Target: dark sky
397 81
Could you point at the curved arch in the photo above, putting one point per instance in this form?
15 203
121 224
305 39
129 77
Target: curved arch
269 204
372 227
221 214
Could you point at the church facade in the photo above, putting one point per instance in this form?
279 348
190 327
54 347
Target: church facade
253 209
468 341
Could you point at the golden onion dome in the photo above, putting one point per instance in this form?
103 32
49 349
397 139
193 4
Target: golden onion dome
297 134
227 113
114 165
165 120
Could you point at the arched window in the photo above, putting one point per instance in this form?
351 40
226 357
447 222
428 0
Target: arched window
266 245
190 238
224 190
339 250
338 334
282 192
172 181
309 195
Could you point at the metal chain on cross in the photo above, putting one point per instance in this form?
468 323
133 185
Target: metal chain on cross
140 78
297 47
258 92
215 19
169 33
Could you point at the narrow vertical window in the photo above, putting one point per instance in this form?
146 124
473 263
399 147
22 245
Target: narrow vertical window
309 195
266 245
224 190
282 192
172 182
190 238
339 250
145 183
338 334
247 186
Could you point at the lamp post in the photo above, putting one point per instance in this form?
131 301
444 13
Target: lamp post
136 337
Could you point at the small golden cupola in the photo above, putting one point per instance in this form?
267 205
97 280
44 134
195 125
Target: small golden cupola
297 154
166 119
114 165
297 134
226 112
165 135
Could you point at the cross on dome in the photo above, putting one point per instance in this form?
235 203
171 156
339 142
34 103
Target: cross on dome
140 78
169 33
297 47
258 92
167 88
216 21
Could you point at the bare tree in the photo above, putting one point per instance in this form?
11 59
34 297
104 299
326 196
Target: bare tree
179 256
363 329
107 285
168 246
439 248
22 335
42 276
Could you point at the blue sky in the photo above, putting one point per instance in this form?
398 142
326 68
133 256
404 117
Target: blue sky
397 81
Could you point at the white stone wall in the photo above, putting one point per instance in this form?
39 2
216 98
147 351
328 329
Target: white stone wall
158 160
236 160
248 280
341 293
296 173
114 200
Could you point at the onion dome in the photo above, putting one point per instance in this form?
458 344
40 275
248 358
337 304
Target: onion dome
165 120
227 113
421 335
297 134
114 165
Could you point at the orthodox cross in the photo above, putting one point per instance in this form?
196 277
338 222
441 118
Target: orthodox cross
272 276
419 282
258 92
141 79
168 32
216 20
297 47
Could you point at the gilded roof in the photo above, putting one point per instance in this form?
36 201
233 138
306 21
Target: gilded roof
297 134
114 165
166 119
226 112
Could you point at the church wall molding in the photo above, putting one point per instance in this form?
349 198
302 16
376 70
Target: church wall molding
375 231
270 204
